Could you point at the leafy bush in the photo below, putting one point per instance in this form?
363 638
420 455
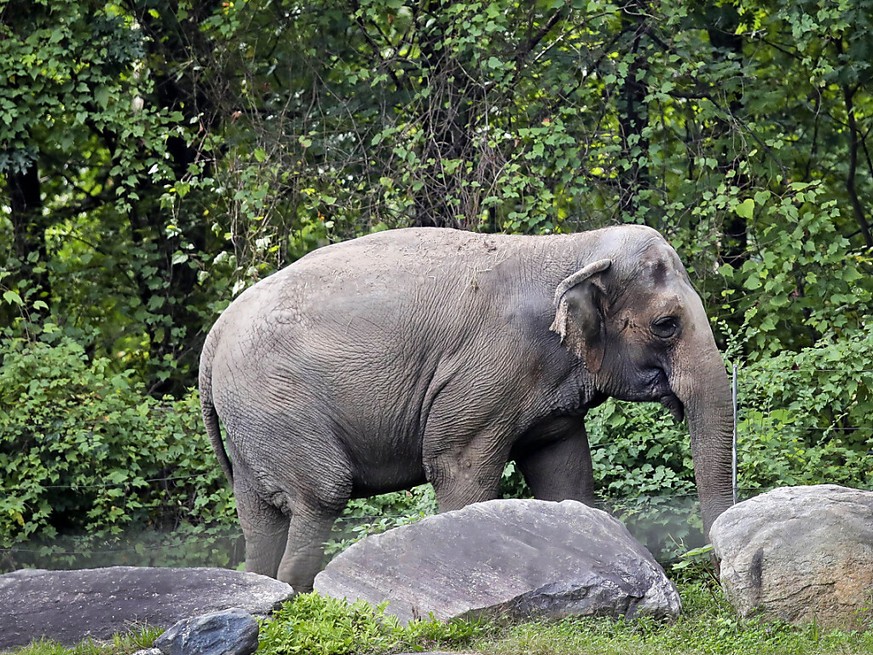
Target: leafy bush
85 449
807 417
644 475
798 285
320 625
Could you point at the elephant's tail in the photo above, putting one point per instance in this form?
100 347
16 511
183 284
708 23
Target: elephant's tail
210 416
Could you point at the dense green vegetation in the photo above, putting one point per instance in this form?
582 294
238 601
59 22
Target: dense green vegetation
156 157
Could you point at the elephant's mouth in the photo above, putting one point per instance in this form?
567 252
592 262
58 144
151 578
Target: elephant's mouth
671 402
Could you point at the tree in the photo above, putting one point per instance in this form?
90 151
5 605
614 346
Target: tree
90 142
195 147
157 157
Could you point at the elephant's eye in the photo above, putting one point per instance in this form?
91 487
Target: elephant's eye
665 327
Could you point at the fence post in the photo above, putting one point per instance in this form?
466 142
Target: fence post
734 450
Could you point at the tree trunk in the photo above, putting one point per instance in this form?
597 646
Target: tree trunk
28 230
446 123
633 115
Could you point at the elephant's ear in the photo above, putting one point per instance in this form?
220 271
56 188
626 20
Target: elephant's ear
578 318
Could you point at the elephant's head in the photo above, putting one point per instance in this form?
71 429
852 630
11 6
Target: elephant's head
641 329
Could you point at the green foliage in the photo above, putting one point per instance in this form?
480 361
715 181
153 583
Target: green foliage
806 416
644 475
310 623
86 449
65 64
93 141
798 284
622 436
199 146
694 567
160 157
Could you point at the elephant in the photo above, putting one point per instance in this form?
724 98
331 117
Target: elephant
437 355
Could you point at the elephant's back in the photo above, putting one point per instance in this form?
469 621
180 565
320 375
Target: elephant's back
372 311
403 257
407 274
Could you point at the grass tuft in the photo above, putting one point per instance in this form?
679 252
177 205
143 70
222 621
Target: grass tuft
319 625
707 626
120 644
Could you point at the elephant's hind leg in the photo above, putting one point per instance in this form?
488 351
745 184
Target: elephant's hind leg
318 494
309 529
265 529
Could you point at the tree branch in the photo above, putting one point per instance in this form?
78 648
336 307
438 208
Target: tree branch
535 40
359 21
854 144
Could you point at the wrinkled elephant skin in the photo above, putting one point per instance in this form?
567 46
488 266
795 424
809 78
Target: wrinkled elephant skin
438 355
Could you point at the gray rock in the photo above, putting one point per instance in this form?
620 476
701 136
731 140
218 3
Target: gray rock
515 558
149 651
70 606
800 554
231 632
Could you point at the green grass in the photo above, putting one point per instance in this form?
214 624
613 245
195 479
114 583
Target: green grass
708 626
118 645
317 625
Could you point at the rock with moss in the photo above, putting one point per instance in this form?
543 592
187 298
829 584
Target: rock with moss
508 558
800 554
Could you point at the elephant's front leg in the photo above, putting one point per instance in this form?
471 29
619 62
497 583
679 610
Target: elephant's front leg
557 462
466 474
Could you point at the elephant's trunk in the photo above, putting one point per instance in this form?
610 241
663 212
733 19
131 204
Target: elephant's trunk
701 383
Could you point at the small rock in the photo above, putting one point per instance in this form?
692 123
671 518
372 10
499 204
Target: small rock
800 554
516 558
149 651
231 632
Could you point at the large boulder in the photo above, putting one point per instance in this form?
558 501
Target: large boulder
70 606
515 558
800 554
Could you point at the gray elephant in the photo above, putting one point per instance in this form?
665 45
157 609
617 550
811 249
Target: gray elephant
436 355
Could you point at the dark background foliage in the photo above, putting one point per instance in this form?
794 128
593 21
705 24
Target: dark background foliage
157 157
